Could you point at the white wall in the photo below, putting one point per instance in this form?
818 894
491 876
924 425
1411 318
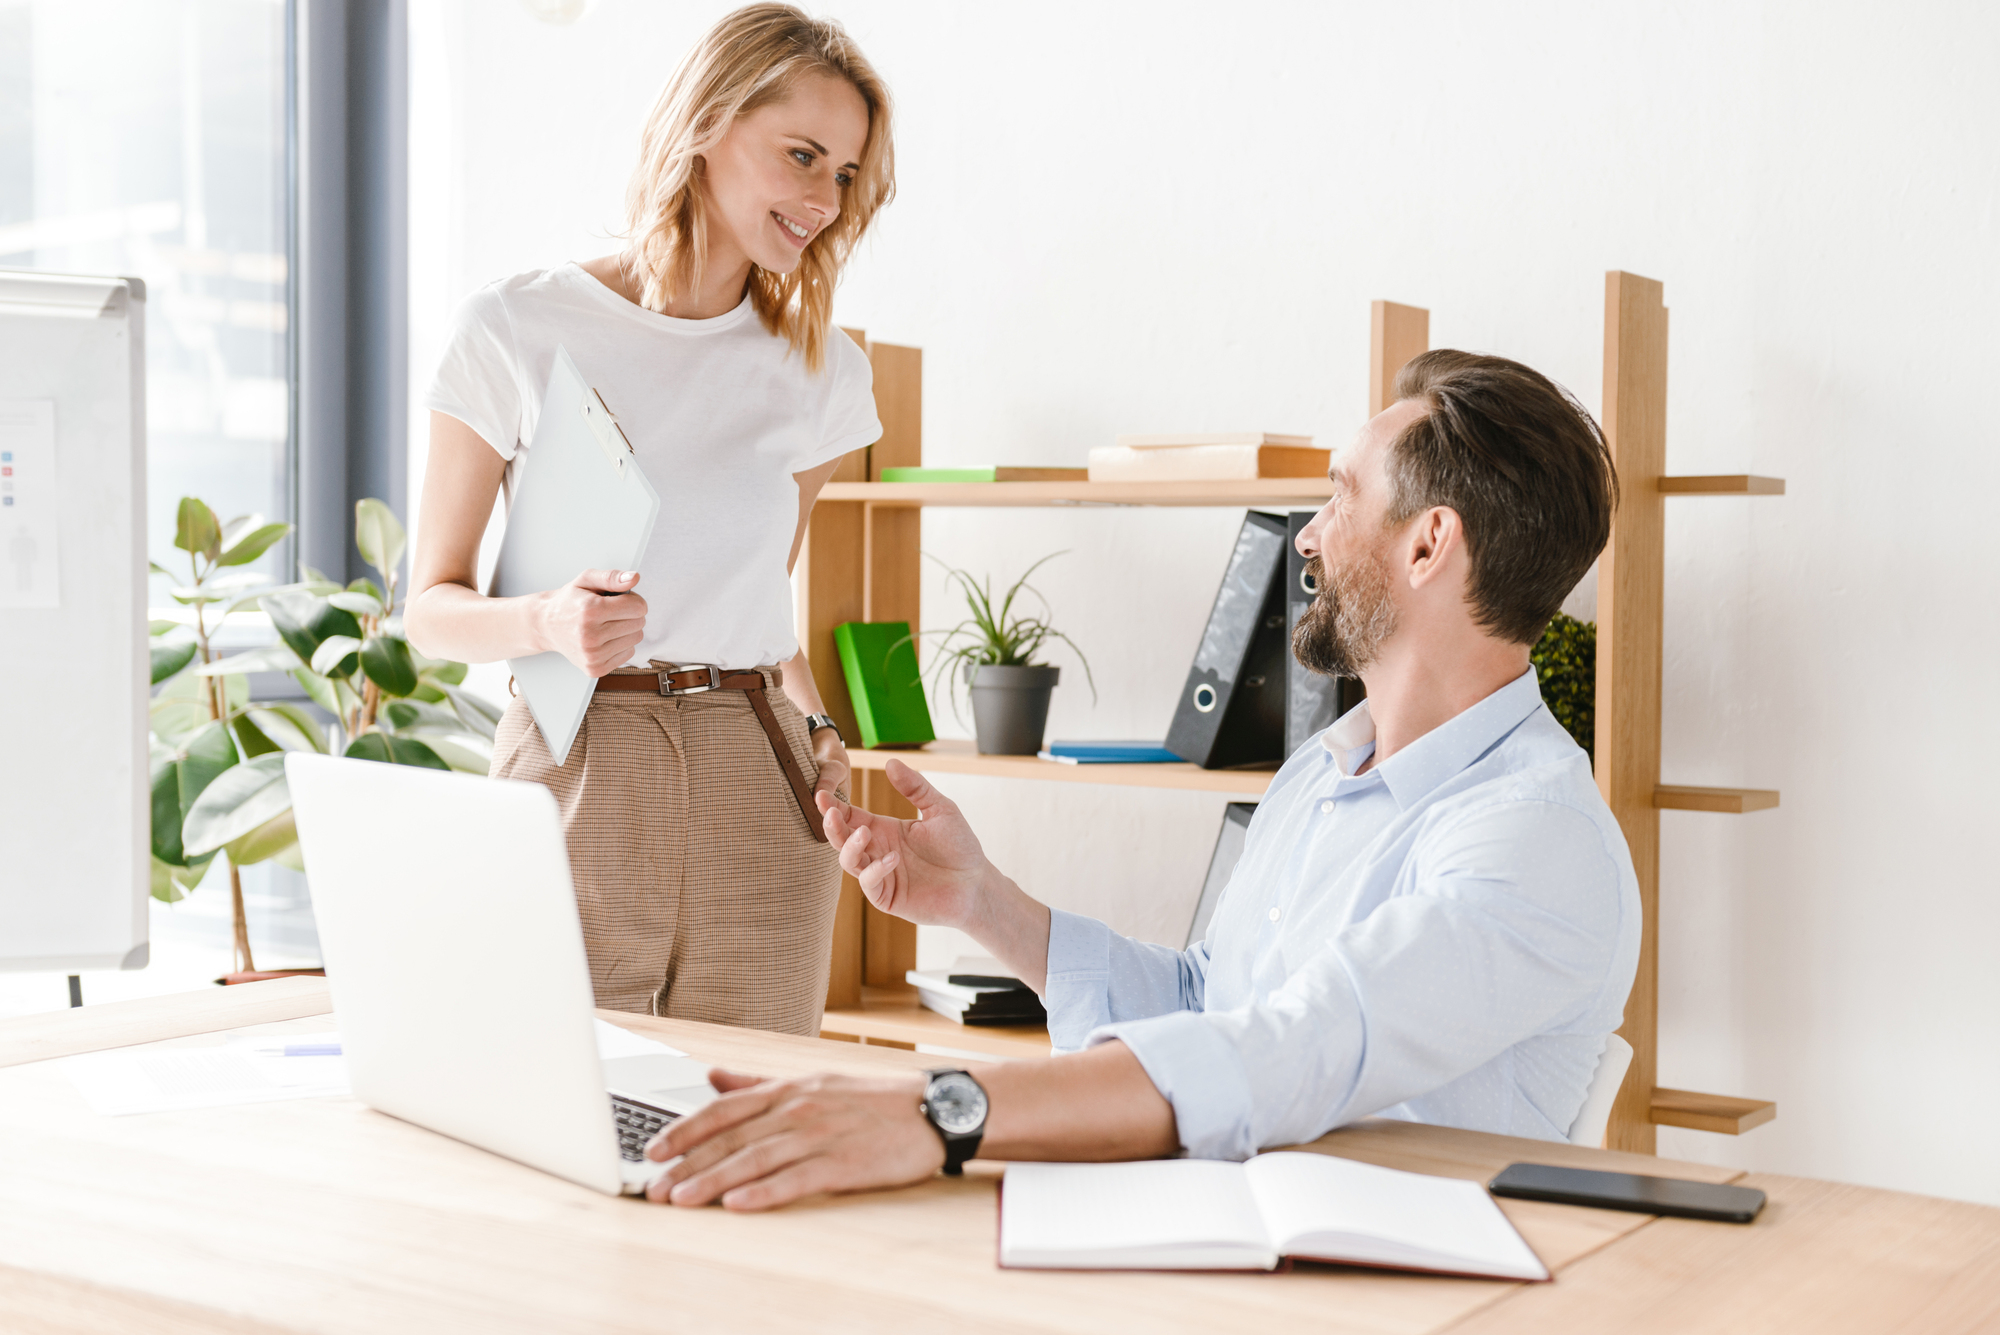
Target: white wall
1172 216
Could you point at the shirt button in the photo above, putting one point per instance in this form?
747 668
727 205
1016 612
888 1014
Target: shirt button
1326 807
1276 914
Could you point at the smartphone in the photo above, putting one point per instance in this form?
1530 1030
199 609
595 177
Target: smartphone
1628 1191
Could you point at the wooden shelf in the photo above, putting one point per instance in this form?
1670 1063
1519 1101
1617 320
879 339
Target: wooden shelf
959 757
1723 484
893 1016
1293 492
1710 1112
1731 801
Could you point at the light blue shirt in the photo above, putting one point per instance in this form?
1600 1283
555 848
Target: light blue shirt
1447 938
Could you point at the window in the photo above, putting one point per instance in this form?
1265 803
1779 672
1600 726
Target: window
150 138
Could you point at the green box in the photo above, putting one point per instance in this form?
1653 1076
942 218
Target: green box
879 660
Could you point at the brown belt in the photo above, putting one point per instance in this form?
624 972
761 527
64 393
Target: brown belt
701 680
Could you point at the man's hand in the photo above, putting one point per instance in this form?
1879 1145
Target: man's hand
766 1143
927 870
589 626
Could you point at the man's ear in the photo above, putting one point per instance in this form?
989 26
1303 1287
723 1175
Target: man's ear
1436 538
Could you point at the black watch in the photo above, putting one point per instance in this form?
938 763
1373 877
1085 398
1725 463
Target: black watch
814 722
955 1106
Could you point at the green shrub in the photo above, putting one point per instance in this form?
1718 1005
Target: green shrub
1566 665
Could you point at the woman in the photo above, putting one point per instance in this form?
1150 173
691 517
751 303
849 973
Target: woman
706 888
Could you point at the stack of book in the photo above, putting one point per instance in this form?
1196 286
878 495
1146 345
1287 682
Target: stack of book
1230 457
977 991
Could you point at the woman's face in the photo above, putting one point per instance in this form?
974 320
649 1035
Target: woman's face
777 177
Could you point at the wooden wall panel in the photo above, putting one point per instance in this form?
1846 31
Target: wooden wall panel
1630 586
899 402
1395 334
854 468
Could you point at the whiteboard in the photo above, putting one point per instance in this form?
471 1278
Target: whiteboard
74 837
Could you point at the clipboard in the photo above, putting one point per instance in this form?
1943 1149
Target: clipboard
582 503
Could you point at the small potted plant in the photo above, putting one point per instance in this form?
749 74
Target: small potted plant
992 655
218 757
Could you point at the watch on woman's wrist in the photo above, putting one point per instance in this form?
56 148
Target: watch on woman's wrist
814 722
955 1106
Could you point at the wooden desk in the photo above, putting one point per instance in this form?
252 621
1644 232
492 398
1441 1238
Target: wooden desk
322 1215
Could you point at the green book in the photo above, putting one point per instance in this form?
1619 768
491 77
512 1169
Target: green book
879 660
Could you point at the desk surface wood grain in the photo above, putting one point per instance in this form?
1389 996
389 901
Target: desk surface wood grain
323 1215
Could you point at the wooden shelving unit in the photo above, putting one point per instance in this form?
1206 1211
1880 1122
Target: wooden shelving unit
1730 801
1631 579
1295 492
957 757
892 1016
860 563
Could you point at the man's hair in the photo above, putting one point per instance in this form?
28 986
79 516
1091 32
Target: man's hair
1527 471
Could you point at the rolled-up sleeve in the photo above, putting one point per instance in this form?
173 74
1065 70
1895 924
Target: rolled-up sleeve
1513 923
1097 977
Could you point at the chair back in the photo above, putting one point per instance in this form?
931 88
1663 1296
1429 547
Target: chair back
1595 1115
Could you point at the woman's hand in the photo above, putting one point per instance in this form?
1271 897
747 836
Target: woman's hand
834 769
595 620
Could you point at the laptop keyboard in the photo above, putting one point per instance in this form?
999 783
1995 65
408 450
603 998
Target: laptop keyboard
637 1124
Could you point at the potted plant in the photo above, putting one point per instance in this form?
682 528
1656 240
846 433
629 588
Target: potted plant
1565 662
992 655
218 772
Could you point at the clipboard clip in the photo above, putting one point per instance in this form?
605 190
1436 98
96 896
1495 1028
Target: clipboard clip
610 436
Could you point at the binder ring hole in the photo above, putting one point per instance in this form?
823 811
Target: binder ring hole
1204 697
1308 583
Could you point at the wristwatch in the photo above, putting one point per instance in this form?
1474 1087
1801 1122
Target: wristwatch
814 722
955 1106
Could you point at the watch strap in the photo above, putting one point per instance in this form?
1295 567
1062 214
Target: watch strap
814 722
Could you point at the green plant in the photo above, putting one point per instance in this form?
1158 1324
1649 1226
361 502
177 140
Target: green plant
218 773
993 633
1565 662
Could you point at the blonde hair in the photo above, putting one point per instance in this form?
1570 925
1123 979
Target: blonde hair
750 59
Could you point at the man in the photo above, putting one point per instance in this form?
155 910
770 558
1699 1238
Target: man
1434 918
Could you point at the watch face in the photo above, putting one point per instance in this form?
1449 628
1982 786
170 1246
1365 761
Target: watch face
957 1103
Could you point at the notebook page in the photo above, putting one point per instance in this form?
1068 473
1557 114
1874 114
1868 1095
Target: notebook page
1337 1209
1163 1213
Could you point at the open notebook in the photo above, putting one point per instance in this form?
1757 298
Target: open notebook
1202 1214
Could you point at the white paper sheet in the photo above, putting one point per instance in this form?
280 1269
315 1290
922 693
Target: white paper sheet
251 1069
28 512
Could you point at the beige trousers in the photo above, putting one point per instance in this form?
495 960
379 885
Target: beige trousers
702 892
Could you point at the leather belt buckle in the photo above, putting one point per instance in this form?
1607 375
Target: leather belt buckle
713 683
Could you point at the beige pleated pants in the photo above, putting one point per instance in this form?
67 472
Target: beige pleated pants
702 892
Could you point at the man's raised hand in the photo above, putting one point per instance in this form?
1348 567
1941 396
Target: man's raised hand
928 870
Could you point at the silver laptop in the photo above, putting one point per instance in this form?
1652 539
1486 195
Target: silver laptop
449 929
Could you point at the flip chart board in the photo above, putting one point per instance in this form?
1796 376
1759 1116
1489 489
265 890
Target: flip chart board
74 667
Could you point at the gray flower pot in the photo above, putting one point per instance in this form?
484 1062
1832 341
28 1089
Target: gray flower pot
1010 707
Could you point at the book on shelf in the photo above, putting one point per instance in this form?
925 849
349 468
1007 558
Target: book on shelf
985 473
1231 462
879 660
1109 753
991 1002
1206 1214
1184 441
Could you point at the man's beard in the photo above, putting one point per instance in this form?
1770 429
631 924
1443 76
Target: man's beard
1341 634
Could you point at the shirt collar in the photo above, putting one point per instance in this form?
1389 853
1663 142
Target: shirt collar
1442 752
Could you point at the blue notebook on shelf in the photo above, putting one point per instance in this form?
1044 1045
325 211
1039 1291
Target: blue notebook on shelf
1109 753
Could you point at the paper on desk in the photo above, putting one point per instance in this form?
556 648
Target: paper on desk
124 1080
251 1069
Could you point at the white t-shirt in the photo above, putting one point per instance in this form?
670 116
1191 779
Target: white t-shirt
720 413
